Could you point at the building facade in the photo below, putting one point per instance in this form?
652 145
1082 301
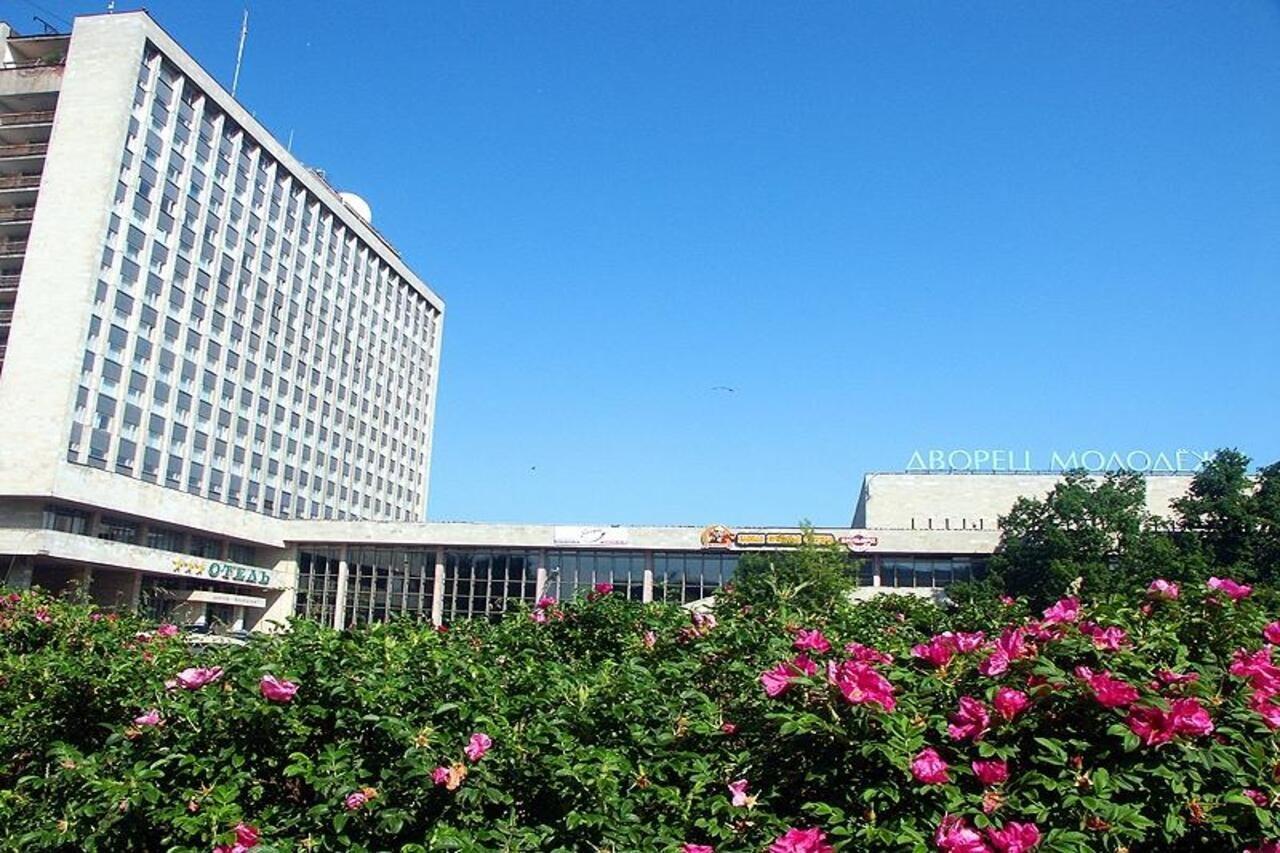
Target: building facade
218 381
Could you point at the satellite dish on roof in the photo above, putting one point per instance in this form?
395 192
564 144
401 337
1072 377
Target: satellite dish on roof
358 205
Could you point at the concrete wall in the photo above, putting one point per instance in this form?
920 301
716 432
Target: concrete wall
966 501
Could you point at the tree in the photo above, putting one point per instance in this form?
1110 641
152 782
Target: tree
808 579
1095 529
1234 518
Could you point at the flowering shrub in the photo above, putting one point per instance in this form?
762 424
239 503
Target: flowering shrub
1141 724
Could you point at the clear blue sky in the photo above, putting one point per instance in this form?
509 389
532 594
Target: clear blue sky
888 225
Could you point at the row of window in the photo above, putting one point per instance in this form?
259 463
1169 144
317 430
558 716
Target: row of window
484 583
278 364
77 521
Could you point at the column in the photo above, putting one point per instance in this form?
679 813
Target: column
437 591
646 594
540 585
340 600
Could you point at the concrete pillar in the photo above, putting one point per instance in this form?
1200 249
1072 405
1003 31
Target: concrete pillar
135 590
647 590
540 585
437 590
237 618
340 600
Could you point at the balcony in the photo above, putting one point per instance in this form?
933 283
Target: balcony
31 118
12 249
23 181
17 213
24 150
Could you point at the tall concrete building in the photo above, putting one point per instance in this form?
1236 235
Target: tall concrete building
218 382
191 307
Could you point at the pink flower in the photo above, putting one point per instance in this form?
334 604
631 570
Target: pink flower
739 791
545 602
862 685
991 771
195 677
1015 837
970 721
479 745
95 617
151 718
1262 702
42 615
702 622
1259 799
779 679
728 728
996 663
1169 677
1188 717
277 690
602 589
1111 692
168 629
1271 633
355 800
1234 591
696 848
1105 639
246 839
1185 717
1009 703
1264 847
964 642
1258 668
1008 600
539 616
937 652
440 775
812 840
929 768
1065 610
1163 590
811 641
954 835
867 654
650 639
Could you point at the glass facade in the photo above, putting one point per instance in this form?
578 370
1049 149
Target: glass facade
571 572
685 576
244 344
316 596
922 572
486 584
387 582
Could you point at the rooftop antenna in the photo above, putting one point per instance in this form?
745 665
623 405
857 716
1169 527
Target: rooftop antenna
244 33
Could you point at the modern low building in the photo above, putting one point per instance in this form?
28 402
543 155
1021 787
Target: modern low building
217 383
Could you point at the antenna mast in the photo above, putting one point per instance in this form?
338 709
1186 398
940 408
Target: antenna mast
244 33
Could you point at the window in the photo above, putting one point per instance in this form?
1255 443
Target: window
66 520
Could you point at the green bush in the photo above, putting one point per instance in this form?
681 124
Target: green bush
620 726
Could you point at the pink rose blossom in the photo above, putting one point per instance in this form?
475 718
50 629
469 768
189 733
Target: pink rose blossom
545 602
1065 610
1262 702
811 641
95 617
1170 678
739 791
602 589
1259 799
1105 639
1258 668
277 690
1264 847
867 654
1111 692
929 768
150 718
970 721
480 744
246 839
1185 717
728 728
539 616
168 629
860 684
1008 600
696 848
1163 590
355 800
954 835
1009 703
440 775
991 771
42 615
778 680
812 840
937 652
195 677
1271 633
1015 837
1234 591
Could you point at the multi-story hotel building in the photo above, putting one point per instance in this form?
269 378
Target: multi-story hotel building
218 381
